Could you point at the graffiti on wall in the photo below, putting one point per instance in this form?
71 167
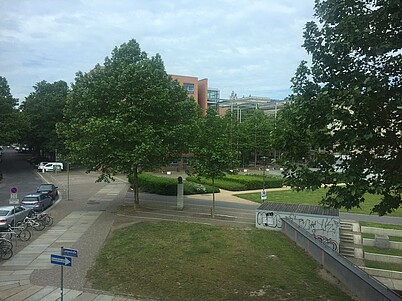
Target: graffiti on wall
323 228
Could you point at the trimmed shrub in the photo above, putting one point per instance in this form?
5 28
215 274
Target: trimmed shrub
241 182
168 186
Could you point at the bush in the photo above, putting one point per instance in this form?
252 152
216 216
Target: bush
168 186
239 182
220 182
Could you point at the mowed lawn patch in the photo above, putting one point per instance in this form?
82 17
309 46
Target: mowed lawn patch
313 198
186 261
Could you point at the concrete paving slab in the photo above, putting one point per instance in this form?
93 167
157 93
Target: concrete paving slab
54 295
4 294
22 295
8 284
42 293
18 277
71 295
103 298
86 297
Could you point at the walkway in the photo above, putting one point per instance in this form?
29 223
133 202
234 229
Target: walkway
30 276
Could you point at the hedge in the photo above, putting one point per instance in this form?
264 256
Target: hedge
241 182
168 186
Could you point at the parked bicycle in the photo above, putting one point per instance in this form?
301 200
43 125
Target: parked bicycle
17 232
32 222
44 218
4 242
6 249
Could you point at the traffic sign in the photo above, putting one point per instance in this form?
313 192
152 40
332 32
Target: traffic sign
61 260
69 252
13 190
14 201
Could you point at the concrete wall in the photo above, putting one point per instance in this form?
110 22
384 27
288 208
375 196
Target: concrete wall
358 281
323 227
392 244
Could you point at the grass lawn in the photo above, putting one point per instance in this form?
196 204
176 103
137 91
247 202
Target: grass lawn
383 265
312 198
185 261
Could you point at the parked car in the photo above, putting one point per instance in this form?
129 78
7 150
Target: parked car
36 160
37 201
51 166
42 164
7 215
49 189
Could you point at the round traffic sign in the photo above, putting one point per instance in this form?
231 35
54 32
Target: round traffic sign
14 190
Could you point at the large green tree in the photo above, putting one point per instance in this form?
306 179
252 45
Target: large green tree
348 105
9 115
255 133
41 110
214 151
127 115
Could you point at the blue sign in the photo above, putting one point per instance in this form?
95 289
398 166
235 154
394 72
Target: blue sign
13 190
61 260
69 252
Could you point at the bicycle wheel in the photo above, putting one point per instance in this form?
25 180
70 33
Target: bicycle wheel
6 253
24 235
39 226
6 243
47 220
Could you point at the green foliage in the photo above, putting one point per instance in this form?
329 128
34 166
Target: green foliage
219 182
255 135
256 181
41 110
213 151
127 115
349 104
9 115
168 186
240 182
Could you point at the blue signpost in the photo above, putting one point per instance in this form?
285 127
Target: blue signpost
69 252
63 260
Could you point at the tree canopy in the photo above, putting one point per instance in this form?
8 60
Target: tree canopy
345 113
41 110
9 117
126 115
213 150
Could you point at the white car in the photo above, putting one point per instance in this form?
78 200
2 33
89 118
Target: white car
41 164
50 166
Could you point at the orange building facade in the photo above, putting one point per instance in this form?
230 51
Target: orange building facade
198 89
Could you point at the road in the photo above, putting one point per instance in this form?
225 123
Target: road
17 172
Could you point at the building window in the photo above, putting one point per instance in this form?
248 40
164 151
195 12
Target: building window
189 87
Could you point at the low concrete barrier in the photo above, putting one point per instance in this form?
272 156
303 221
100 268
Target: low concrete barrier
381 231
383 258
358 281
392 244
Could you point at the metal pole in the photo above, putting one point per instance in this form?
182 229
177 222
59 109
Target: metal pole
68 181
61 284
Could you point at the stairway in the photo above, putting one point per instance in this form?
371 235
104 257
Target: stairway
351 244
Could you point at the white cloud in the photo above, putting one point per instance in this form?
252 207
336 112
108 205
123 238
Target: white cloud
249 46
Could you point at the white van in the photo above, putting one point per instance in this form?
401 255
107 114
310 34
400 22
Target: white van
51 166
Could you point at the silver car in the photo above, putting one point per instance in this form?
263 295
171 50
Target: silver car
7 215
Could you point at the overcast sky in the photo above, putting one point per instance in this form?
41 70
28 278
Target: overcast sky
246 46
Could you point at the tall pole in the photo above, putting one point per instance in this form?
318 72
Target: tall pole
263 173
68 181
